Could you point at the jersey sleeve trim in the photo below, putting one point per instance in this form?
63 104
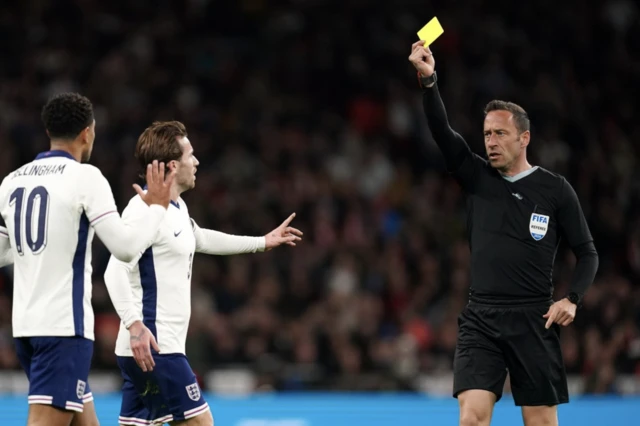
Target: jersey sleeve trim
102 216
3 233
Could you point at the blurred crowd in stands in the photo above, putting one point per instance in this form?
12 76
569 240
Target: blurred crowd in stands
311 106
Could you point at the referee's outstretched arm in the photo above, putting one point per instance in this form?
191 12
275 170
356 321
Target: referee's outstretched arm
458 157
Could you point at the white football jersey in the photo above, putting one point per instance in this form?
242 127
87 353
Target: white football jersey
161 280
49 207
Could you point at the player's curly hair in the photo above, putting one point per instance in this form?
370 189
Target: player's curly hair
520 116
65 115
159 142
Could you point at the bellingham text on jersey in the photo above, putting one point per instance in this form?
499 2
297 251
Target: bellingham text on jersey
39 170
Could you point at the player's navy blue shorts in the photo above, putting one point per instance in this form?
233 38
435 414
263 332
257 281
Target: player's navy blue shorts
57 369
168 393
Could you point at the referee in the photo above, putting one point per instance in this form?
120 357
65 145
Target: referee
517 215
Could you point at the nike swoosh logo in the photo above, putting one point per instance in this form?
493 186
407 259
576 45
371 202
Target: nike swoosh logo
175 234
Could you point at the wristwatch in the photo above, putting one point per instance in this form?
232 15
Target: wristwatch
426 81
574 298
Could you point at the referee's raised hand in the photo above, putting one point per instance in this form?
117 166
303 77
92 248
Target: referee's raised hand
562 312
422 59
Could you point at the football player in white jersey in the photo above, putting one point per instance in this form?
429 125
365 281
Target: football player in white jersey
160 283
52 207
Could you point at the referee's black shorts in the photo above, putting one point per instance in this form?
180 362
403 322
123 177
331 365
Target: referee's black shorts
494 339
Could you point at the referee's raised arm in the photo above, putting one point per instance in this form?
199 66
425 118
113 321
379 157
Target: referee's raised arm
457 155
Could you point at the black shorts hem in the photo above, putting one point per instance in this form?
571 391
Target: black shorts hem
541 403
457 392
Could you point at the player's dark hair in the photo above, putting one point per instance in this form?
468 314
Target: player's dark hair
520 116
159 142
65 115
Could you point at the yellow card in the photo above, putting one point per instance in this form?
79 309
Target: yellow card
430 32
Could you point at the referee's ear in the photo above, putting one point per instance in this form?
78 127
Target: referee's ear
525 138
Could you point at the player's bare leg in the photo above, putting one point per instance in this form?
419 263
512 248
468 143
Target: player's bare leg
46 415
88 417
540 416
476 407
204 419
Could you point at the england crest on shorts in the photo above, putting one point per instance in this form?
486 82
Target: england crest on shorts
80 389
538 226
193 391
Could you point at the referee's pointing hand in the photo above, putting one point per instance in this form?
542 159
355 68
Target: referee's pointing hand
562 312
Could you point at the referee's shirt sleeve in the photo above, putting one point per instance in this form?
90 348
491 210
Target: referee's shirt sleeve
575 229
571 218
460 161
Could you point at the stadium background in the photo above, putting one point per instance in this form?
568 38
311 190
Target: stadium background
311 106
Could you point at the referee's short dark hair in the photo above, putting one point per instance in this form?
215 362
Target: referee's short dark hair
65 115
520 116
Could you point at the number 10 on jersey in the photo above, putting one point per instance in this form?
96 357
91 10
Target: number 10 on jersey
37 195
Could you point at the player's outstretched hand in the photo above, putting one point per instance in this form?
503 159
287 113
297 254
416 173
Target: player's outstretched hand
283 234
561 312
158 187
142 340
422 59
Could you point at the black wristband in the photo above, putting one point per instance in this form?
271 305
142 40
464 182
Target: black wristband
426 81
574 298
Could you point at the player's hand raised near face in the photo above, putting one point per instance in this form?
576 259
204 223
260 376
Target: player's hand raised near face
283 234
158 185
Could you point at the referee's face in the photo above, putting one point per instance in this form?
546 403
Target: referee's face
502 140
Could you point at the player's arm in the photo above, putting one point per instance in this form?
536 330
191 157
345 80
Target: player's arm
213 242
574 227
6 254
459 159
124 238
117 278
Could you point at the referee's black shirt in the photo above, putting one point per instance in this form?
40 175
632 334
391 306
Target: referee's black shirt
514 223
